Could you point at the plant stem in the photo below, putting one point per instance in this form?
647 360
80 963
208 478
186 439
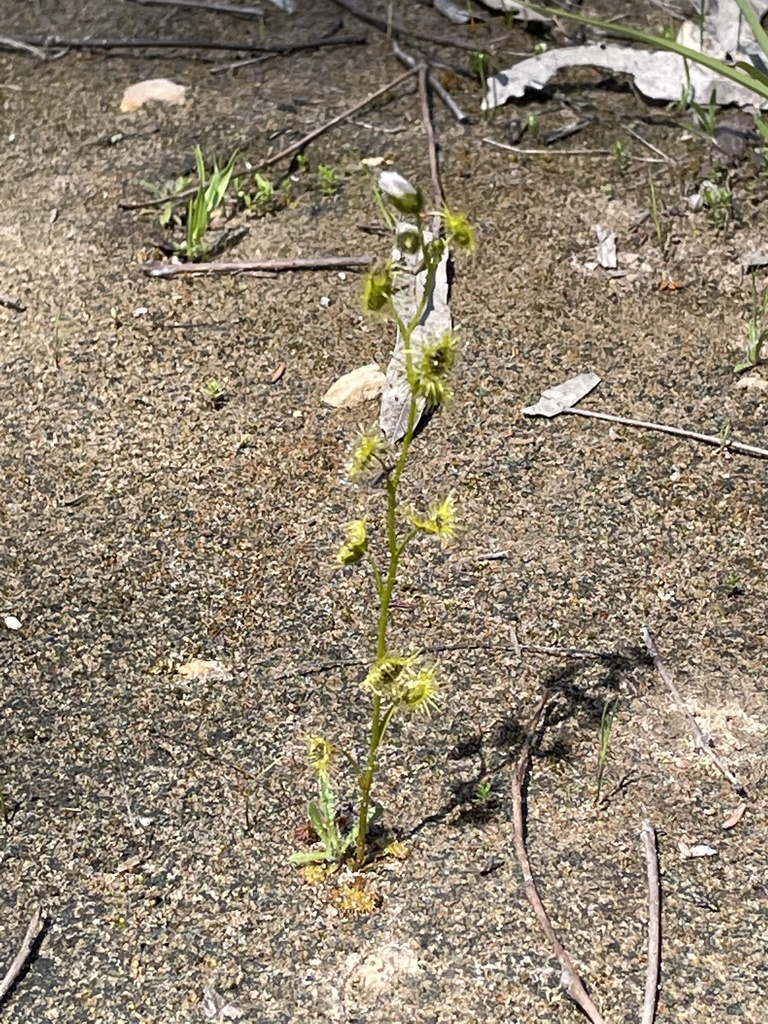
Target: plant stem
386 589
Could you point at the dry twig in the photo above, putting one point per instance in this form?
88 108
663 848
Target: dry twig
204 5
648 837
434 84
17 44
569 978
21 957
156 268
700 741
712 439
396 28
438 196
25 42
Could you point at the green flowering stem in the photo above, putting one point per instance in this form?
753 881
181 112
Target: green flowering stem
385 587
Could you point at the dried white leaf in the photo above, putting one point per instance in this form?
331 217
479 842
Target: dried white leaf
216 1008
606 247
659 75
162 89
358 386
563 396
517 9
206 670
455 14
752 384
734 817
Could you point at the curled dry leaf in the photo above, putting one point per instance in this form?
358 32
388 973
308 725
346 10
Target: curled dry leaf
162 89
360 385
277 374
734 817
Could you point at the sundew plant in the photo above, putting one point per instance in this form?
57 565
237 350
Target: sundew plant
397 682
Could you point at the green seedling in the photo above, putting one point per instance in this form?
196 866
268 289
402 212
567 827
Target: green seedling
733 584
607 719
259 195
215 394
705 118
534 125
169 190
336 835
481 65
328 180
662 233
208 198
718 205
484 792
620 155
757 329
396 683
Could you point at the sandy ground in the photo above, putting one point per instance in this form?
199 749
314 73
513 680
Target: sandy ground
151 814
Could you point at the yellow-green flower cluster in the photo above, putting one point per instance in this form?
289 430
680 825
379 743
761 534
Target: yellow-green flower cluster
458 230
430 373
320 754
378 291
403 683
441 521
366 458
356 544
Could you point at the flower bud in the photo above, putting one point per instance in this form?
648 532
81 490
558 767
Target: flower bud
404 196
356 544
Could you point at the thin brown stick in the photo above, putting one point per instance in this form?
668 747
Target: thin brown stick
700 740
21 957
569 978
204 5
711 439
393 27
291 150
648 837
434 84
438 196
155 268
45 42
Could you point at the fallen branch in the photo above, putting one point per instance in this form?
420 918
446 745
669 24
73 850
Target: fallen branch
23 954
438 195
156 268
393 27
700 741
434 84
204 5
569 978
16 44
711 439
648 837
289 151
44 42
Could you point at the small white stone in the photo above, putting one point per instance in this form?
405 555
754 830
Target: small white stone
11 622
140 311
342 276
325 302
